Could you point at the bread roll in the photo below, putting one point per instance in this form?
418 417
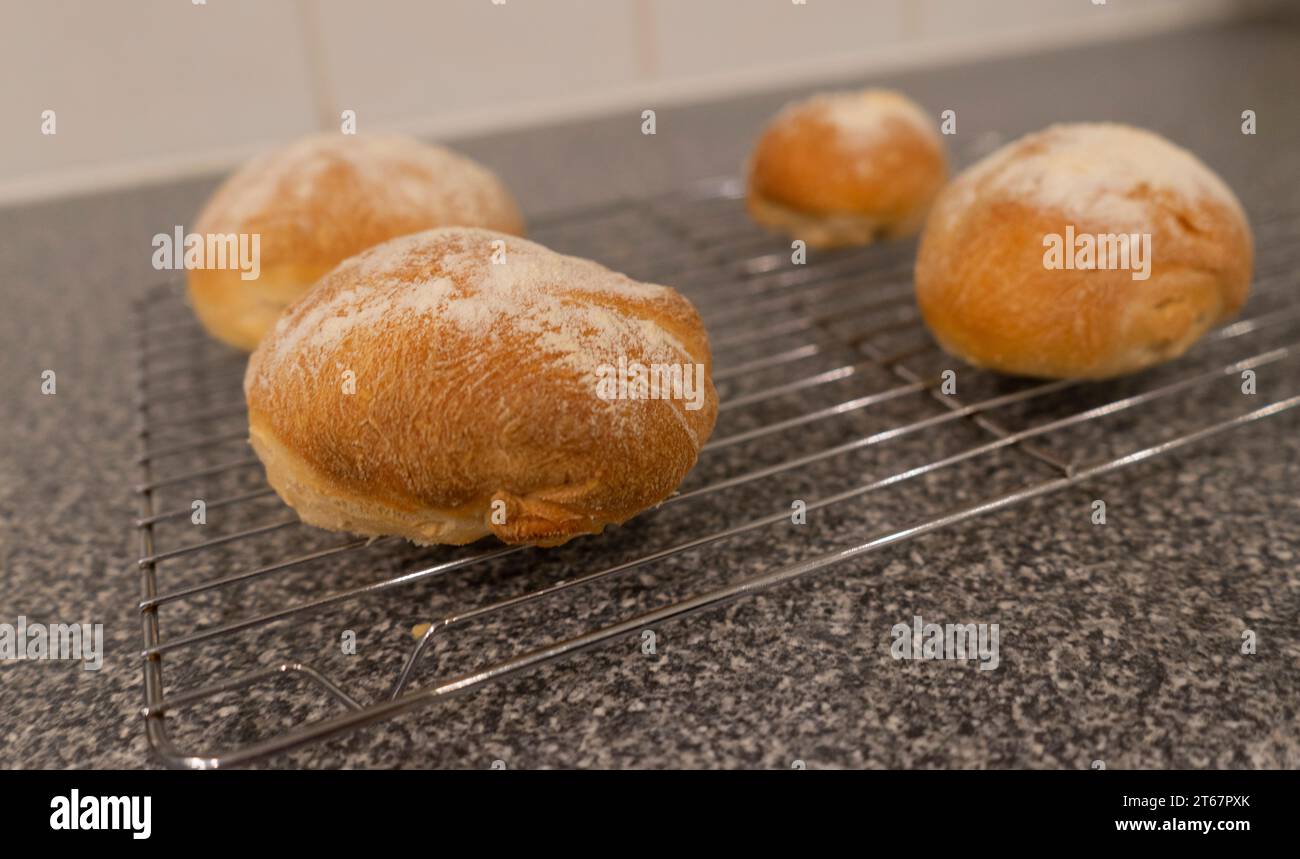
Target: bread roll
424 390
844 168
322 199
995 292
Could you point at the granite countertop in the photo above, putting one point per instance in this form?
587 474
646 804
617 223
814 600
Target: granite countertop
1119 642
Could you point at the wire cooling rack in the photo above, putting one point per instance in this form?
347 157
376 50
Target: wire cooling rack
832 395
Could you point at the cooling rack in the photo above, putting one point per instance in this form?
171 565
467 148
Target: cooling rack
832 395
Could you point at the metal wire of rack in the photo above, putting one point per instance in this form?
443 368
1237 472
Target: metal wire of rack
841 329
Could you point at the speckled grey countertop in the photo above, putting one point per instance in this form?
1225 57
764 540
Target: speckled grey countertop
1118 642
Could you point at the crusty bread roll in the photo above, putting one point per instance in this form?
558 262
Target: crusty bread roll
323 199
424 390
844 168
995 292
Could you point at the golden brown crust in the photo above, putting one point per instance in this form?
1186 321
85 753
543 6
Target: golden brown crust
473 383
844 168
323 199
988 298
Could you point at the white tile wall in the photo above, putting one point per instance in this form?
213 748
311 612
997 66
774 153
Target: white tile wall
974 17
138 80
396 61
954 17
699 38
146 88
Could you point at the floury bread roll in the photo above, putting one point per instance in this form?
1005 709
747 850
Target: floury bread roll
458 382
845 168
1082 251
323 199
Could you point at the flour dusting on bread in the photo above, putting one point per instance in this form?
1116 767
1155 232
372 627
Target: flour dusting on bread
1107 172
409 178
320 200
448 277
863 117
